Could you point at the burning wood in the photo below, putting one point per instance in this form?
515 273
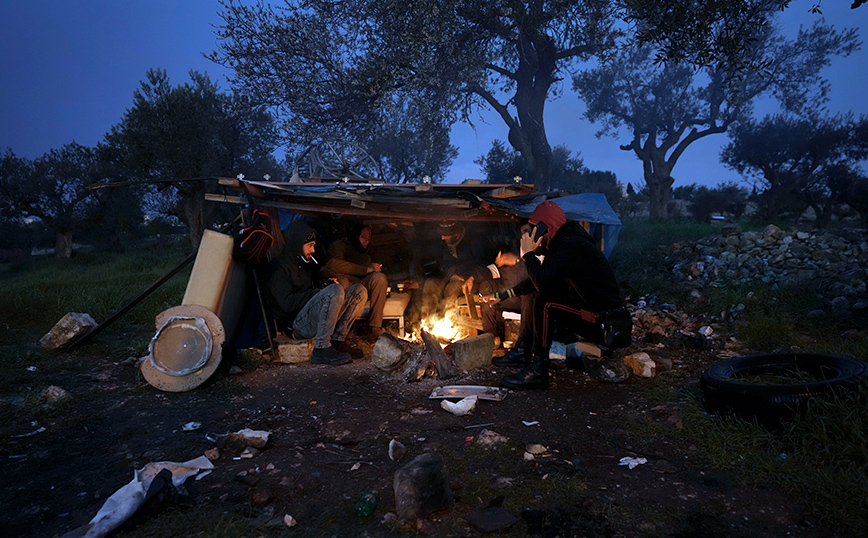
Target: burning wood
445 367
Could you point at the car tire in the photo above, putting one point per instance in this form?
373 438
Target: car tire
726 390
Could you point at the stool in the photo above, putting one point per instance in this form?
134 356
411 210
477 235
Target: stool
396 304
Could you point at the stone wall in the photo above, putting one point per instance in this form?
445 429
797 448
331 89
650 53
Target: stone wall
833 264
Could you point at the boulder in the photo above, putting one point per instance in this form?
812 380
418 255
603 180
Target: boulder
70 328
421 488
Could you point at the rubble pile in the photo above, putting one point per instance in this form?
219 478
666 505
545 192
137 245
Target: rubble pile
831 264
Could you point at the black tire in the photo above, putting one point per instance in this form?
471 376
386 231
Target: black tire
726 391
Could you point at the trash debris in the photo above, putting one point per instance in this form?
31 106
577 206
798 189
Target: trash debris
124 502
289 521
365 506
705 330
632 463
528 456
532 423
536 449
462 407
54 394
396 450
495 394
20 435
490 438
31 368
247 437
191 426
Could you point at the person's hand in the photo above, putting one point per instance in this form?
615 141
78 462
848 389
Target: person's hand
529 242
468 285
490 300
508 258
375 267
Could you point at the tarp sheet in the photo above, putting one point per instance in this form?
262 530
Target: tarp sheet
589 207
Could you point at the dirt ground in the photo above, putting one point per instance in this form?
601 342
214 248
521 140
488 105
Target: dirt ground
330 429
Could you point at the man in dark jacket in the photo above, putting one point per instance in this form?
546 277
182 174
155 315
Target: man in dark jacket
305 306
572 288
350 263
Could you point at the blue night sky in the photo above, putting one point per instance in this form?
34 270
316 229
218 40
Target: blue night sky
69 70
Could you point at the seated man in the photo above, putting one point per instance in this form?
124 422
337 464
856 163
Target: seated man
572 287
458 258
306 307
350 263
506 271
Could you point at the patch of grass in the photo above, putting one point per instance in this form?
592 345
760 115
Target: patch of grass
822 457
43 290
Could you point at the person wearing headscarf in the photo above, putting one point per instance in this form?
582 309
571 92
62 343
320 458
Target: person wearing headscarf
350 263
570 287
306 306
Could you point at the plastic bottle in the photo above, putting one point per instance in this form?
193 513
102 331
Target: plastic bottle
367 503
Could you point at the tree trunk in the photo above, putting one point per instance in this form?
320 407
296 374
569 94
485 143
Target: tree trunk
63 244
195 211
659 192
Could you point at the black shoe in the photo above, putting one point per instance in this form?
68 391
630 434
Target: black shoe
343 347
533 377
517 357
330 356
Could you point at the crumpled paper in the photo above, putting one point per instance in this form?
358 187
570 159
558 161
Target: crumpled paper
632 463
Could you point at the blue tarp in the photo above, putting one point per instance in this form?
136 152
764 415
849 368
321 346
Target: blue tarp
589 207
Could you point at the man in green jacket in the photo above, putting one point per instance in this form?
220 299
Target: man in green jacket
349 263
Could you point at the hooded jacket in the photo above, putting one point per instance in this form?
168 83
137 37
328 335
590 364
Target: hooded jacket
294 280
573 266
348 258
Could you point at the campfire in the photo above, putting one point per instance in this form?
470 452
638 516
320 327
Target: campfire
441 346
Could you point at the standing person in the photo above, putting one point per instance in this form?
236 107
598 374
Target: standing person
305 306
572 287
350 263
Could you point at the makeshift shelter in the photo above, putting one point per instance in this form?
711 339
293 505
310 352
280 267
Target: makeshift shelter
187 347
381 202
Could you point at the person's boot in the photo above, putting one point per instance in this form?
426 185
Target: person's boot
533 377
344 347
517 357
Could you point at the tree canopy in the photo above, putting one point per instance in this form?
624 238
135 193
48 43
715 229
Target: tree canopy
333 65
789 155
666 107
182 135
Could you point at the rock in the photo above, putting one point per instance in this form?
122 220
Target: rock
840 307
641 364
396 450
70 328
472 353
261 496
421 487
390 352
55 394
663 364
212 454
293 351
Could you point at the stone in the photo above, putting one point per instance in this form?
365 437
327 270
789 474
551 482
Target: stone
293 351
472 353
389 352
261 496
65 332
492 519
663 364
247 438
421 487
840 307
641 364
490 438
55 394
